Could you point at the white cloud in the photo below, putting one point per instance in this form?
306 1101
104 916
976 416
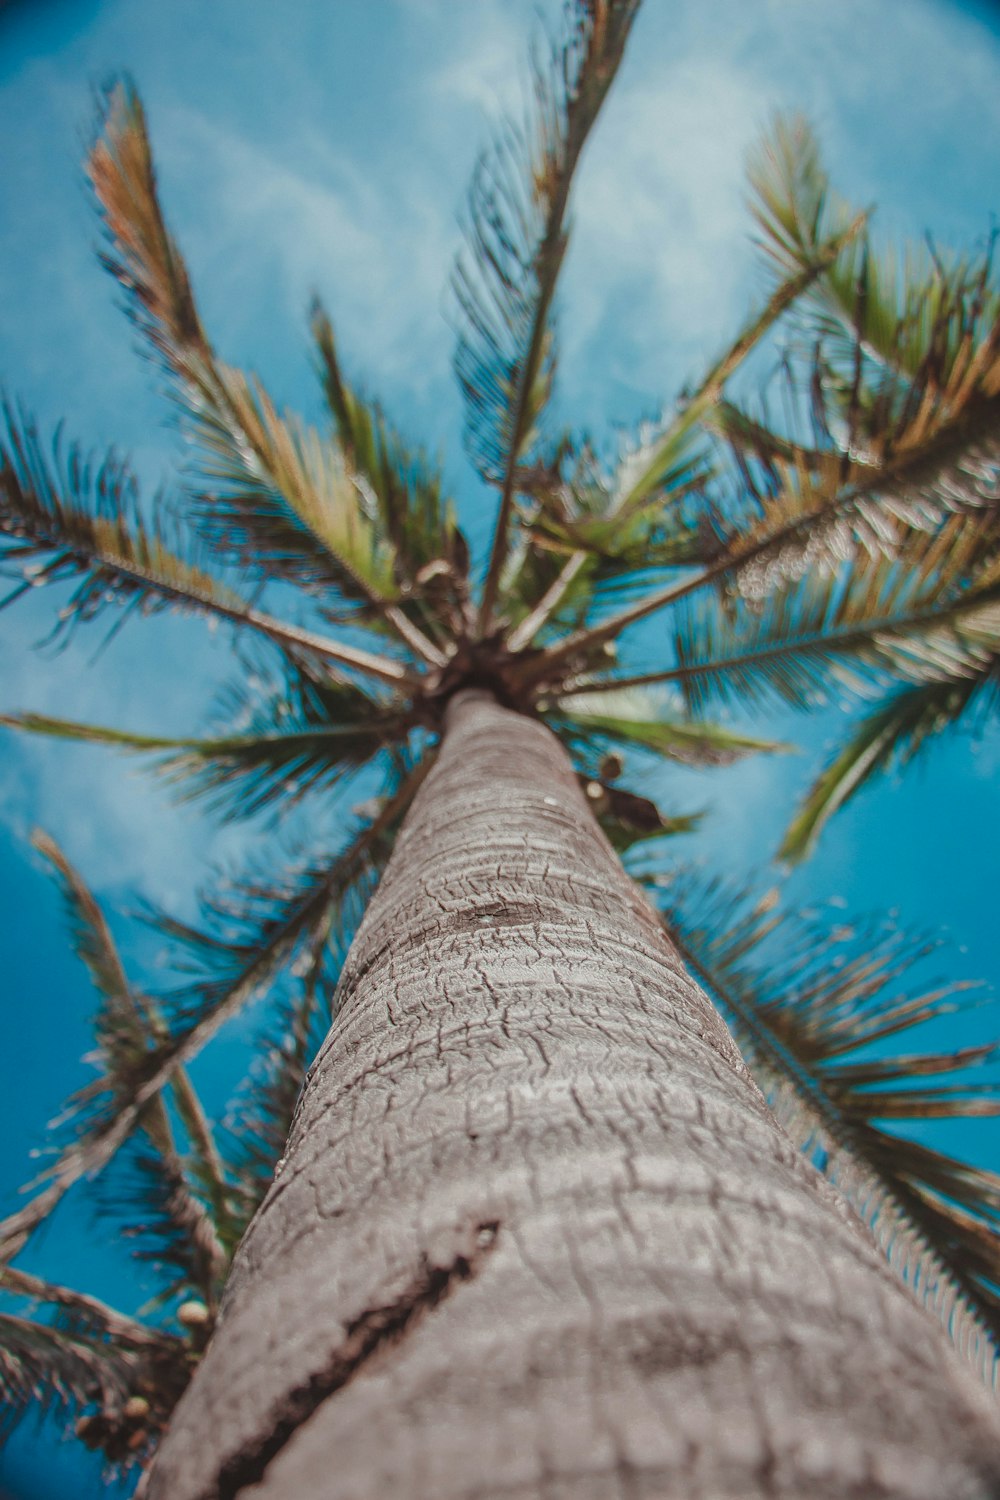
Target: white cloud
484 59
286 222
659 265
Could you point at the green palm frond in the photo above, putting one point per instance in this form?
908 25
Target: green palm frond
647 720
534 589
66 518
895 307
278 497
650 467
640 520
270 492
301 739
814 1011
505 281
793 205
590 511
824 635
430 555
908 376
893 734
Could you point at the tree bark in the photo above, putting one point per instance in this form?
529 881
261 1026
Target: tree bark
536 1235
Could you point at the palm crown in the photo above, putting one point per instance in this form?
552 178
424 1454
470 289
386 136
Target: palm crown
861 555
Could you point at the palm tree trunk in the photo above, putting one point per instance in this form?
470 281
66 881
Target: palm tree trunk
536 1233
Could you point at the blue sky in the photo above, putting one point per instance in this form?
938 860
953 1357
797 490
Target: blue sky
315 146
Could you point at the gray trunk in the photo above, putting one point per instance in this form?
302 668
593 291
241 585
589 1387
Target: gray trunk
536 1233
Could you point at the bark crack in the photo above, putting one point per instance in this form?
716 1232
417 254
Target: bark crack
375 1330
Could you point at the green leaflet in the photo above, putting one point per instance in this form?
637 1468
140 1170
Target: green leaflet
430 555
651 722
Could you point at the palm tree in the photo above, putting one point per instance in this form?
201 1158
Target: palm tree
535 1230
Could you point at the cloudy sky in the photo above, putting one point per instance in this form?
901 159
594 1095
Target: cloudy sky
326 146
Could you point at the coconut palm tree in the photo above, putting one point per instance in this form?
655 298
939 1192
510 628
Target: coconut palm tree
535 1230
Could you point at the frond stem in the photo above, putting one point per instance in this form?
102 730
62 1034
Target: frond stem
524 634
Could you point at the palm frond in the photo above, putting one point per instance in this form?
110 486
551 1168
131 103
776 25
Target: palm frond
430 555
574 551
808 521
824 635
278 497
59 1373
505 282
813 1010
270 493
842 507
263 925
128 1030
908 373
656 526
302 739
894 733
68 518
88 1359
642 521
895 308
169 1225
793 206
648 467
651 721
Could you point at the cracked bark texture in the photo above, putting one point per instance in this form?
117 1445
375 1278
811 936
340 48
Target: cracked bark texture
536 1233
